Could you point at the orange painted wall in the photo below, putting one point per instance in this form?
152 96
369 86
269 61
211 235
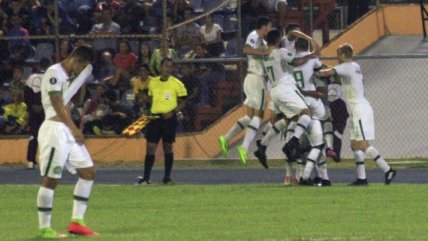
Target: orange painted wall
389 19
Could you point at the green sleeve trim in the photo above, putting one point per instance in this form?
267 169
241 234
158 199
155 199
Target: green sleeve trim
55 92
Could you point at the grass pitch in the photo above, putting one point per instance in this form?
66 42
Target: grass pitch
229 212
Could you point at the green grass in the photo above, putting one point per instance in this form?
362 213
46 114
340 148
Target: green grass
229 212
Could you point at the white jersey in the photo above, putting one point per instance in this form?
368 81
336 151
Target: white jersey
255 41
304 74
289 45
57 80
352 82
278 68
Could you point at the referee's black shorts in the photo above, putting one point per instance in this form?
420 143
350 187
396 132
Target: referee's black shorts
161 129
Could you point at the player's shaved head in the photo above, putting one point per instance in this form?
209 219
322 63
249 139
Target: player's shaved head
273 37
347 50
301 44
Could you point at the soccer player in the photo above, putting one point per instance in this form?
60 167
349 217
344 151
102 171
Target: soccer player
361 113
254 89
285 94
168 98
61 142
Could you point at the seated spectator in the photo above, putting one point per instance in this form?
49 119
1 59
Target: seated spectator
208 74
3 103
211 34
191 54
107 69
15 115
117 119
93 109
17 84
158 55
178 8
20 49
140 82
106 27
184 34
21 8
66 24
124 61
130 17
145 54
192 83
65 49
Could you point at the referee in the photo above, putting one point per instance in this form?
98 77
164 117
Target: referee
168 97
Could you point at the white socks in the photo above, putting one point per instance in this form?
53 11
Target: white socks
82 191
377 158
274 131
266 128
240 125
328 134
302 124
251 132
44 204
311 162
359 161
290 131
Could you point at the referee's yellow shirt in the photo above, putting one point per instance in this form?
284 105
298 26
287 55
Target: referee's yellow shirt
165 94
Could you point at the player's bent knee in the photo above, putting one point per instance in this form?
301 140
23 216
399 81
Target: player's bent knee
50 183
87 173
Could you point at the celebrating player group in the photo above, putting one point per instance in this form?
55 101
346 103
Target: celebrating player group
309 101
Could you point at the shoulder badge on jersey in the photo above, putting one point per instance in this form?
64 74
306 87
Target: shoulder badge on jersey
290 54
252 41
53 81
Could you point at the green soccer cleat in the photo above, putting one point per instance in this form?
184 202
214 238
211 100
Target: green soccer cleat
242 154
49 233
224 145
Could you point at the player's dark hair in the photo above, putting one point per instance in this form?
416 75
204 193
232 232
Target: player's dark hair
301 44
291 27
262 21
347 50
273 37
83 53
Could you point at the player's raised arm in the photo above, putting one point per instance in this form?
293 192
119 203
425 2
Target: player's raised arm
325 72
316 47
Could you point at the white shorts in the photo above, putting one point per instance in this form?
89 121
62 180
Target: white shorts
362 122
317 107
59 150
288 100
255 92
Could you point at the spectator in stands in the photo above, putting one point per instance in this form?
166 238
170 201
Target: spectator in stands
183 35
192 84
20 49
178 8
356 9
211 34
94 110
250 10
145 54
16 115
158 55
191 54
4 49
140 82
124 61
33 100
66 24
119 117
65 49
3 103
21 9
109 4
107 69
208 74
17 84
106 27
130 17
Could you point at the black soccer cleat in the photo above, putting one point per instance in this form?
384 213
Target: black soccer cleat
317 181
389 176
325 183
167 180
359 182
290 149
261 154
305 182
142 181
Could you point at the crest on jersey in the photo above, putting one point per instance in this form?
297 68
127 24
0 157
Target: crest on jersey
290 54
167 96
252 41
53 81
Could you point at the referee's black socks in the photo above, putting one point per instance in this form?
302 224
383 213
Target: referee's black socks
148 164
169 161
